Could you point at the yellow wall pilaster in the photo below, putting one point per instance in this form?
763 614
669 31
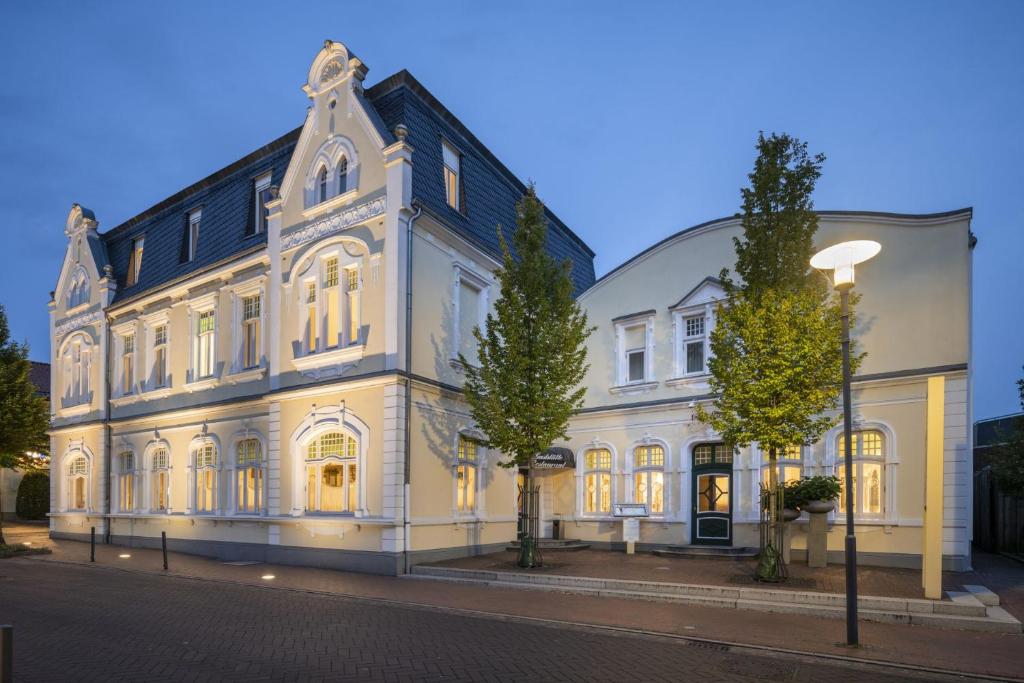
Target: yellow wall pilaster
931 561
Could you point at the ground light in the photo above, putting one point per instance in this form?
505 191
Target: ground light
124 556
268 577
841 258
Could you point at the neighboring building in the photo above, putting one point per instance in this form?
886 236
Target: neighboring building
232 364
637 438
39 375
992 432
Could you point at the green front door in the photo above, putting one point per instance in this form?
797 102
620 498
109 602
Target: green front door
712 495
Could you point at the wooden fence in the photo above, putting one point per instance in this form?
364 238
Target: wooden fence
998 518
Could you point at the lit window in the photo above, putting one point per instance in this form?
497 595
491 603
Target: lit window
788 463
205 349
597 480
868 473
161 480
352 307
331 473
126 482
311 316
251 331
452 168
127 363
249 476
78 483
649 477
466 463
160 356
75 367
205 477
135 260
712 454
331 302
470 304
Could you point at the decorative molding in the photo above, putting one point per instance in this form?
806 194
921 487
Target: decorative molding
77 322
329 363
335 223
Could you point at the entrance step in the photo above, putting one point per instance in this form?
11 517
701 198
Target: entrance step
705 552
961 612
554 544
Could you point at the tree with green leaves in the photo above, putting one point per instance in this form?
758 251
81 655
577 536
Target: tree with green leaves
776 365
24 415
1007 459
532 353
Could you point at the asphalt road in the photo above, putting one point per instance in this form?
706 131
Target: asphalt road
79 623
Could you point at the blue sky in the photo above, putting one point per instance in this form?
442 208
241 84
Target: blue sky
635 119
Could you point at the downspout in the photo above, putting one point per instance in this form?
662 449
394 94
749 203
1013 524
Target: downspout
107 468
408 385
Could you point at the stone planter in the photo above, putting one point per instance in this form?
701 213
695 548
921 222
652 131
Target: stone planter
820 506
789 514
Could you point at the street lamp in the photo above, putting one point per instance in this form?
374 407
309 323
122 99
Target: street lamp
841 258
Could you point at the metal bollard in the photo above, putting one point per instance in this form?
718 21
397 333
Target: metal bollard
6 654
163 545
92 544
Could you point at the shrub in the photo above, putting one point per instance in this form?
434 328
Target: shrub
33 500
813 488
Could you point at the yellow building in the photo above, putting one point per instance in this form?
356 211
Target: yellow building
264 365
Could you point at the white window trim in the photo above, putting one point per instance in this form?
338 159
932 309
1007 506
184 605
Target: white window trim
631 469
328 156
582 471
150 475
195 220
318 421
260 184
479 508
679 317
119 472
75 449
462 272
193 448
624 385
197 306
117 384
264 477
254 287
70 403
890 470
457 172
149 386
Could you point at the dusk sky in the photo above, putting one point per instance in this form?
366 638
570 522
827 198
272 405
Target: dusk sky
635 119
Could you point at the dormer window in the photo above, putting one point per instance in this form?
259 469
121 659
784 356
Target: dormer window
261 194
452 167
135 260
693 319
190 240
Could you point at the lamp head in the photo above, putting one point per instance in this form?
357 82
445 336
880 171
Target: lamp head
842 257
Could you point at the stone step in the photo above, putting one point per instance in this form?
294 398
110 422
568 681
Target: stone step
987 597
960 613
553 544
707 552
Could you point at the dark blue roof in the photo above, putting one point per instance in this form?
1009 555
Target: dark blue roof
224 198
491 191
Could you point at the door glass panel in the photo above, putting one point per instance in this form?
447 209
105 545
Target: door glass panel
713 493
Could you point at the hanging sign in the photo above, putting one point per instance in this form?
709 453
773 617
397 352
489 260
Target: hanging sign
556 457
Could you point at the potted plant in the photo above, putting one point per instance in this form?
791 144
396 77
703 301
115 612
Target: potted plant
817 494
792 501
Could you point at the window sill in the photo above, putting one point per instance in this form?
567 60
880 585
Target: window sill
701 381
125 399
75 410
329 363
201 384
246 375
633 389
156 393
327 205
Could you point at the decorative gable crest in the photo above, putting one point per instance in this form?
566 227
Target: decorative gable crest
80 219
709 289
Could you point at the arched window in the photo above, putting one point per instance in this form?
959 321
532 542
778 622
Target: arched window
322 185
78 290
78 483
868 489
789 464
329 300
126 481
249 476
161 477
331 473
597 481
466 464
342 175
75 364
205 477
649 477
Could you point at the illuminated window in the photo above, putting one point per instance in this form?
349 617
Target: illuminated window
127 363
251 331
332 474
261 193
160 356
789 465
249 476
649 477
126 482
78 483
205 347
330 299
452 167
75 367
135 260
712 454
868 489
192 234
466 464
597 481
161 480
205 477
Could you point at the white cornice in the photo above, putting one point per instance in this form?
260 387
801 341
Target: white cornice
77 322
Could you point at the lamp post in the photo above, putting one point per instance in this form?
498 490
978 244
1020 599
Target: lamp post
841 258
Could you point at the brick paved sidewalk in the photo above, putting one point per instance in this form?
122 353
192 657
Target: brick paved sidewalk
972 652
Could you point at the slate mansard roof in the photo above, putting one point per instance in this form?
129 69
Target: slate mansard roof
491 192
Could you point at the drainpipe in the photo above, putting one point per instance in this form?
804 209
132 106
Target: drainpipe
408 383
107 471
